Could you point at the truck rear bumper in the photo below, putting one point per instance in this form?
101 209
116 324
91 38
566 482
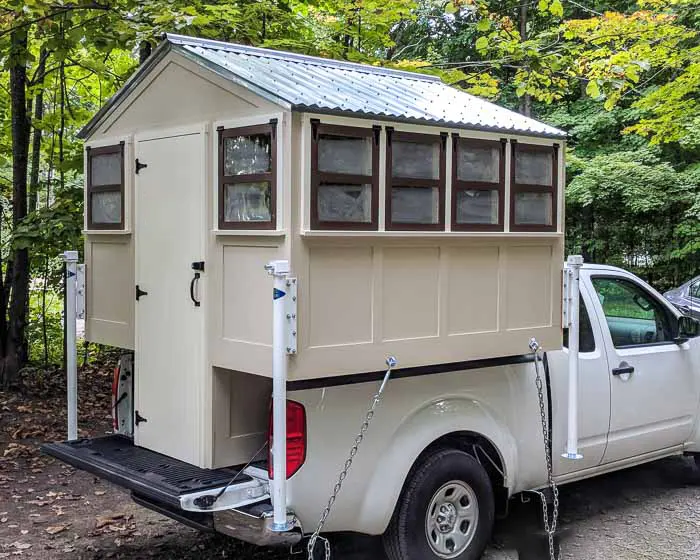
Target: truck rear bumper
253 524
182 491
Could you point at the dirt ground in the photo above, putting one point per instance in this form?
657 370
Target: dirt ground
49 510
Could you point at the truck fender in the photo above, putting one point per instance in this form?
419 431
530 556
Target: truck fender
418 430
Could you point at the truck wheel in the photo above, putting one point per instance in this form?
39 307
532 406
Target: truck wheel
445 511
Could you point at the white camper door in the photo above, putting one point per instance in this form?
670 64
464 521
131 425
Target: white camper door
169 229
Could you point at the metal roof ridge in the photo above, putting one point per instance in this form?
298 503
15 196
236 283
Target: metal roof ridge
187 40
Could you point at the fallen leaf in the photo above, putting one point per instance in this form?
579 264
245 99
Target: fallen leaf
104 520
100 492
54 529
20 545
3 519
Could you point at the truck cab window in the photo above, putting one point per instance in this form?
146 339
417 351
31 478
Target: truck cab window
694 290
586 340
634 316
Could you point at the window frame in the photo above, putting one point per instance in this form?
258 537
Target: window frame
410 182
670 317
319 177
583 312
516 188
269 176
461 185
91 189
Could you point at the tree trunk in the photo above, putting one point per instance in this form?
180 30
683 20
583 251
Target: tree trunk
36 138
13 347
526 99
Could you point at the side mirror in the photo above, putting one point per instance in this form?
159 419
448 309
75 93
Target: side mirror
687 328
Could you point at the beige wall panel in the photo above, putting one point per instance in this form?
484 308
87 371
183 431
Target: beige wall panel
528 297
182 94
340 296
110 291
410 292
473 295
246 296
440 300
240 416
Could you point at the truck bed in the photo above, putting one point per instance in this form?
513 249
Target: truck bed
144 472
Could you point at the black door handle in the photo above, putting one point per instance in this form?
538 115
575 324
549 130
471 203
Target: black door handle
195 278
623 369
140 292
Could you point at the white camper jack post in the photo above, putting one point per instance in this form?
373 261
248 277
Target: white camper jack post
279 270
75 308
571 320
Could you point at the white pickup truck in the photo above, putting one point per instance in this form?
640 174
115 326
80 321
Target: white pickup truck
449 445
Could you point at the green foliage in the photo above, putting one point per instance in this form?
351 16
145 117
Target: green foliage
45 309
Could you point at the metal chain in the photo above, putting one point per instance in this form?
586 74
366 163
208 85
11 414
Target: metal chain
549 529
391 364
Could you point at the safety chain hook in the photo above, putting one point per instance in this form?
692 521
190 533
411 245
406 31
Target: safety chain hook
549 529
390 364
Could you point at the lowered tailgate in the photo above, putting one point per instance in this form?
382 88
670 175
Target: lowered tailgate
144 472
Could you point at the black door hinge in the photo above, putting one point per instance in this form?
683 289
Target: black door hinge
138 418
140 292
140 166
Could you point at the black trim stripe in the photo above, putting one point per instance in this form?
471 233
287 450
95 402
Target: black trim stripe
368 377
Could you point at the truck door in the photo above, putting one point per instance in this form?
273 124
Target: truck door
654 391
594 394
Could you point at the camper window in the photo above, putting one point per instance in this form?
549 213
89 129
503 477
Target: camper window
344 177
415 190
478 184
105 186
247 162
534 188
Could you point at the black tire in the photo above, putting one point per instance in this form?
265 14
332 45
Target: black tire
406 538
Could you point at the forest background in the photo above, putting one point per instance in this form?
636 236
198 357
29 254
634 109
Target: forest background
622 77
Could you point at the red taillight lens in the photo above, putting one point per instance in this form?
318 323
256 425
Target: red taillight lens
296 439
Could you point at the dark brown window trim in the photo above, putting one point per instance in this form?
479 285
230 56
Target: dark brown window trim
525 188
91 152
270 176
392 181
320 177
459 185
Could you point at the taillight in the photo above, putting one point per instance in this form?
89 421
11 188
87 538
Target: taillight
296 439
115 391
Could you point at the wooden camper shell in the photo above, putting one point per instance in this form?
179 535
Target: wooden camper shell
433 294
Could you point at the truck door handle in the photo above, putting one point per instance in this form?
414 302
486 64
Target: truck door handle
624 368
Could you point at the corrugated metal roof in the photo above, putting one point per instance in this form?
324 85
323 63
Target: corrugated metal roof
329 86
325 85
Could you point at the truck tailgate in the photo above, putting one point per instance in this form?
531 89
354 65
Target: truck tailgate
144 472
